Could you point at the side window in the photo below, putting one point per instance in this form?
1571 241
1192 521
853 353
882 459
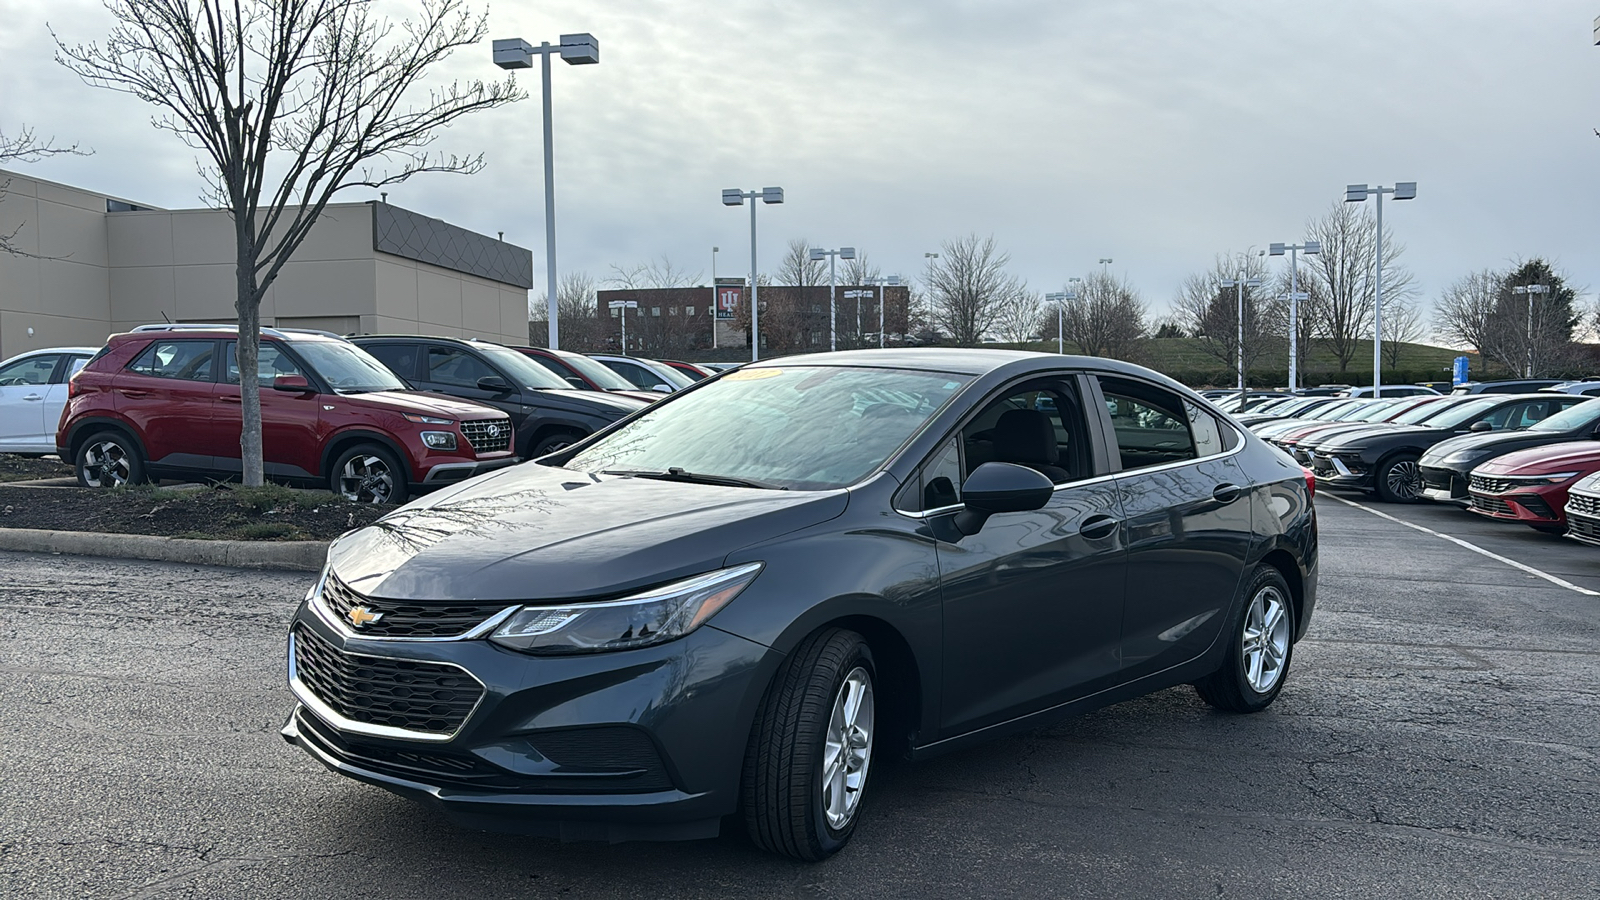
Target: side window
33 370
455 366
75 365
184 360
639 375
1207 436
270 363
941 478
1153 425
400 358
1040 426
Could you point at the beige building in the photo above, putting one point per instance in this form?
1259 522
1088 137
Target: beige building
94 265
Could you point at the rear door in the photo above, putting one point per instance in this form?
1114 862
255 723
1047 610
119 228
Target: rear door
169 393
1186 505
24 385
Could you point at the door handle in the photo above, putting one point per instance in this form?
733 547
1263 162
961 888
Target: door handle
33 397
1226 493
132 394
1096 527
228 398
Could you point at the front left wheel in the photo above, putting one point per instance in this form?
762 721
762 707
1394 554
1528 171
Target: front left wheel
369 473
810 751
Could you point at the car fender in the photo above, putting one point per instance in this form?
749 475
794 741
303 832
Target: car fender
82 428
337 438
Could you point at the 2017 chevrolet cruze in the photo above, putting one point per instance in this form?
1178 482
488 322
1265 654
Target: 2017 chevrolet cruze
736 601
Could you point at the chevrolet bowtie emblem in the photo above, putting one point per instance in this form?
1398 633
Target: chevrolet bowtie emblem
360 615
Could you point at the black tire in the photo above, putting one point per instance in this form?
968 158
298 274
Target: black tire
1403 470
109 459
782 787
1234 687
550 443
369 473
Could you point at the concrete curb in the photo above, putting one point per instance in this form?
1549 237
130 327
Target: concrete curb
300 556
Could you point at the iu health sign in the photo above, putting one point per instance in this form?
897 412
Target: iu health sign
729 292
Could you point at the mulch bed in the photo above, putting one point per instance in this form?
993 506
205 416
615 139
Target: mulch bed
20 468
220 512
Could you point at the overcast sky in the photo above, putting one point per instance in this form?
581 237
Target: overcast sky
1155 133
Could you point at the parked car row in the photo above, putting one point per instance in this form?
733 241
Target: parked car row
376 418
1530 456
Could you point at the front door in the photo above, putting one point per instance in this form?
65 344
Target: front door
23 388
1186 503
1033 601
291 445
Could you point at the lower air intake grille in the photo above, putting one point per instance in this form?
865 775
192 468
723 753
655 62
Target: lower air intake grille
432 698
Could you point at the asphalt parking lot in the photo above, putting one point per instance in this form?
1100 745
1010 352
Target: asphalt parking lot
1437 738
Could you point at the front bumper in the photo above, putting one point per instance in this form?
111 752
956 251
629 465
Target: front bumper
1340 471
1583 526
634 745
1444 485
449 473
1526 506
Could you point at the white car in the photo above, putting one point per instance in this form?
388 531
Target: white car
645 374
33 391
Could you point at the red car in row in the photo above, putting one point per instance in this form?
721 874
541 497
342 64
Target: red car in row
165 401
1530 486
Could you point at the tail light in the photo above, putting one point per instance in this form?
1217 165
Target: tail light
1311 483
72 387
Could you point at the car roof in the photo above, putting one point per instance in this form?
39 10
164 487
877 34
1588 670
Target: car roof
470 342
27 353
227 331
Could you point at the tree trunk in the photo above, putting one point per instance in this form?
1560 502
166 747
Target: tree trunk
248 306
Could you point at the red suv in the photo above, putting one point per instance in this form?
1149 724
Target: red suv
155 402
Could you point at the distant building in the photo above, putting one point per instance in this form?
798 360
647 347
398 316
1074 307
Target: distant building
675 321
98 265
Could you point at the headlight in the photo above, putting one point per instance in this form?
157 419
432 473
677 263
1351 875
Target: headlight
439 440
1557 478
659 615
427 420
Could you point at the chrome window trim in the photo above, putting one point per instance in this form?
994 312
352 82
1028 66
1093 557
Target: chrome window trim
323 711
332 620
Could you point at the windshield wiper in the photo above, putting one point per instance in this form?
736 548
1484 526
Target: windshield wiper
677 473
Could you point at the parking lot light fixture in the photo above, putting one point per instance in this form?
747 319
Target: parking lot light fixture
1531 290
516 53
1239 284
817 255
623 306
1309 248
1060 298
736 197
1357 193
883 284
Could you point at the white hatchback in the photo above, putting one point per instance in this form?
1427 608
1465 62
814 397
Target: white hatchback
33 391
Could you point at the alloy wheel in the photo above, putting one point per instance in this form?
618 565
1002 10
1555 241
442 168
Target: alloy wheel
366 479
847 749
1265 645
106 464
1404 479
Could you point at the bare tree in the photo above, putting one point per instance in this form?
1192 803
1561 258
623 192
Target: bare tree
798 269
1310 312
1018 316
1518 331
1464 312
26 147
289 103
859 270
657 273
1105 318
1210 312
1402 325
1344 272
967 285
582 326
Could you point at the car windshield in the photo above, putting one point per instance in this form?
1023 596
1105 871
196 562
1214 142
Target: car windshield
1466 412
1336 411
1423 412
673 376
802 427
346 368
1375 412
1581 415
524 371
597 373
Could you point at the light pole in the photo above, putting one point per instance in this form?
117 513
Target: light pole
817 255
1309 248
714 297
736 197
624 305
1357 193
883 284
1060 298
1104 262
516 53
1239 284
1530 290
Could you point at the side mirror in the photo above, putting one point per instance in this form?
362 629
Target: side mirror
1595 435
1480 427
291 383
494 383
997 487
662 389
577 382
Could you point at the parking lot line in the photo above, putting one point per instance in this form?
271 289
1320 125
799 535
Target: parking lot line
1468 545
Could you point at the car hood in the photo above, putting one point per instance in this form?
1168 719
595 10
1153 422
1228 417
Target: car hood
1492 443
536 532
1373 434
1330 430
1583 456
422 404
600 403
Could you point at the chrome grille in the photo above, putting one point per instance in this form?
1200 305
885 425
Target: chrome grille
487 435
432 698
405 619
1490 485
1583 504
1583 527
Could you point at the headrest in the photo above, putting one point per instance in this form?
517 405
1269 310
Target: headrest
1025 436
